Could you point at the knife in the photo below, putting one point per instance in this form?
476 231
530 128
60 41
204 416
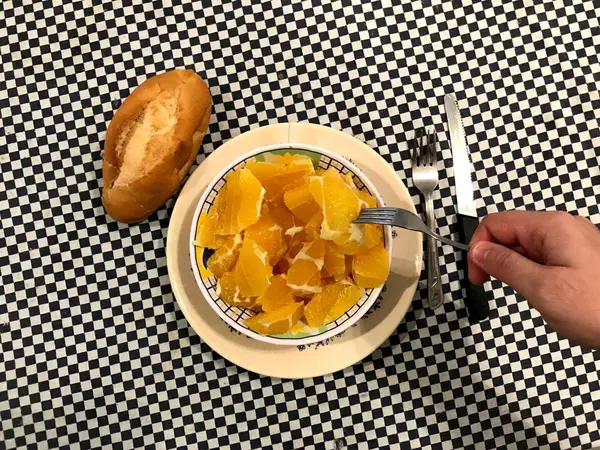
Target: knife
476 299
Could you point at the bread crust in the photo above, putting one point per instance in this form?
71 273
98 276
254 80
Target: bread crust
151 143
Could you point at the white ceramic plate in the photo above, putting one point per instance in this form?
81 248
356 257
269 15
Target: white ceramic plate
302 334
335 353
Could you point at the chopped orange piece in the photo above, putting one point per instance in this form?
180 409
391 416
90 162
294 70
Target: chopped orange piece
367 198
347 299
371 269
278 294
314 251
278 321
318 307
227 288
347 271
226 256
373 236
340 206
313 226
304 275
285 262
252 270
274 176
209 222
288 158
295 236
268 234
229 292
301 203
244 202
290 186
335 261
333 301
280 214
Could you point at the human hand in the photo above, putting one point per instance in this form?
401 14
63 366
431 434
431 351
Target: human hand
552 259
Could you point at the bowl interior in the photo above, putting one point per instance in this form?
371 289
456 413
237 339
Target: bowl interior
234 316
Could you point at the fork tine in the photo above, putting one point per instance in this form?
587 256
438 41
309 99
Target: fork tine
373 220
388 208
433 148
380 219
377 214
415 149
424 149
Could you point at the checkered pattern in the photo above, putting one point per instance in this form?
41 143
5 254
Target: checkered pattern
95 352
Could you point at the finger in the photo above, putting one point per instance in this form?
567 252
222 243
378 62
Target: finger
506 227
522 274
529 230
476 274
494 228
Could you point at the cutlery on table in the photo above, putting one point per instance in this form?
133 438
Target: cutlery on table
425 178
403 218
476 299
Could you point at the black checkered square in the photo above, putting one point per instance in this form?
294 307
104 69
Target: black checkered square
95 352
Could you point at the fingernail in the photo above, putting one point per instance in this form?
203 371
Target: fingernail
479 252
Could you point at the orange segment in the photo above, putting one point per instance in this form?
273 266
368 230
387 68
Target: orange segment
288 158
252 270
280 214
268 234
295 236
373 236
301 203
209 222
226 256
285 262
227 289
347 270
278 321
205 231
274 176
371 269
313 226
243 202
304 275
229 292
334 262
291 185
278 294
345 301
313 251
367 198
340 206
320 305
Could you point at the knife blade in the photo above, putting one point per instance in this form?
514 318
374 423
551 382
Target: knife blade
476 298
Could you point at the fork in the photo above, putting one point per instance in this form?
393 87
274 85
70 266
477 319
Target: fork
425 178
403 218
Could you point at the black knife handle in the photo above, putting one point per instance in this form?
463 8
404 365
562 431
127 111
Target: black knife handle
476 300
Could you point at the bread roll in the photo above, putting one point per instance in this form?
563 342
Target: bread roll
151 143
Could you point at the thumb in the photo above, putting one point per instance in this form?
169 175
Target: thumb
522 274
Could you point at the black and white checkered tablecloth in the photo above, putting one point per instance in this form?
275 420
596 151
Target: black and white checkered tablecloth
94 349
